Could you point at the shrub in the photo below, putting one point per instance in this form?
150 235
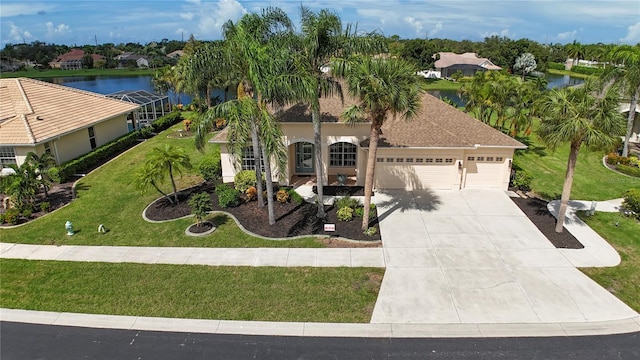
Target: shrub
211 169
45 206
200 205
167 121
228 197
11 216
251 193
293 195
586 70
220 123
187 124
371 231
245 179
2 218
612 158
522 180
282 196
359 212
27 213
631 201
345 214
555 65
629 170
347 201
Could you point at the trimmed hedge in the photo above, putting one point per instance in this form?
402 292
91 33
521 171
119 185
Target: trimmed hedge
555 66
629 170
85 162
587 70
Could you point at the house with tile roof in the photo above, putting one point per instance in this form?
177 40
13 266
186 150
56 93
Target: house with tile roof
443 148
449 63
41 117
72 60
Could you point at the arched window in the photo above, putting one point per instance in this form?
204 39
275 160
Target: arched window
342 154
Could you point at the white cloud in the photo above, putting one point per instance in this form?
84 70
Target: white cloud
435 30
567 35
633 34
18 34
187 16
53 30
416 24
503 33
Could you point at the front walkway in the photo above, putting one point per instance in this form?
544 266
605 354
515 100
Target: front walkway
458 264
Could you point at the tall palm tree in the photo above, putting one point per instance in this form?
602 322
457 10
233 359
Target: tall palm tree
322 39
254 53
579 117
575 51
41 165
381 88
628 76
169 158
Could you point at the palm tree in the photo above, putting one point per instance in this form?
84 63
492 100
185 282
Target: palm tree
22 186
150 175
628 76
579 117
575 51
169 159
254 52
321 40
41 165
382 88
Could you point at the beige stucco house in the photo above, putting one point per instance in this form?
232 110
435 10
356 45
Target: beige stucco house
41 117
449 63
444 148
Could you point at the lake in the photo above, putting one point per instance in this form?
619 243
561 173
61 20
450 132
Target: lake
110 84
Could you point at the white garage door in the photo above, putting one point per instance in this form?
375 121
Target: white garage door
485 172
419 173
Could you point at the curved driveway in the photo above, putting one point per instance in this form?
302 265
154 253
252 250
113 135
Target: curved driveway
472 256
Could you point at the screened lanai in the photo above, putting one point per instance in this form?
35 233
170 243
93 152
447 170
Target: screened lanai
152 106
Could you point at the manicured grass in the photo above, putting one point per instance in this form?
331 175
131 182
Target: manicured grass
568 72
83 72
108 196
441 84
592 181
624 234
201 292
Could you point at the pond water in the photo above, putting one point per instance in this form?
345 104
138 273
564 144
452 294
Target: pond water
110 84
556 81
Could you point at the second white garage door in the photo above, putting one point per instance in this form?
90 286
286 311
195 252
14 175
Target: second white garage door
485 172
421 174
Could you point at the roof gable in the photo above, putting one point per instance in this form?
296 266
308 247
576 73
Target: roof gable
33 111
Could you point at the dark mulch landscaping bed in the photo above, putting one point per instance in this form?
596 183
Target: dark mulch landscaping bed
292 219
203 227
536 210
59 196
341 190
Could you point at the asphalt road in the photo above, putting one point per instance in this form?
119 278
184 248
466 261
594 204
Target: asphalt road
44 342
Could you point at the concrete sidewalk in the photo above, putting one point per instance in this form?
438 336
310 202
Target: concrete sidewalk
458 264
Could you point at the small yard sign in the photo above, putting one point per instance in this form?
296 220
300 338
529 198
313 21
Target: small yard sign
329 227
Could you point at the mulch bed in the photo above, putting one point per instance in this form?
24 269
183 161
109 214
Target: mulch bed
292 219
59 196
341 190
536 210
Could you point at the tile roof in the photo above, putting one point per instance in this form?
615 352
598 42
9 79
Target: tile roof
439 125
449 59
33 111
75 54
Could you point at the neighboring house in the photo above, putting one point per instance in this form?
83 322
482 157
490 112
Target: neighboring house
176 54
127 58
635 131
41 117
444 148
73 60
468 63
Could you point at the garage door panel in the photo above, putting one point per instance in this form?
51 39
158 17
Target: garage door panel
414 177
484 175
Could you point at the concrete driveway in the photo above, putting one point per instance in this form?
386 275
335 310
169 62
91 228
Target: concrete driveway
472 256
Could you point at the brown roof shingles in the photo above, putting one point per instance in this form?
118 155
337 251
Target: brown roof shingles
33 111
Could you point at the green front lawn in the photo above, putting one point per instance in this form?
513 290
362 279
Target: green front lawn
592 180
200 292
108 196
624 234
441 84
83 72
568 72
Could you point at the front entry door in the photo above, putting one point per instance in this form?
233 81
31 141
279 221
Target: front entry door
304 157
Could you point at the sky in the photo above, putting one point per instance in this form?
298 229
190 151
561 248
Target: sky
73 22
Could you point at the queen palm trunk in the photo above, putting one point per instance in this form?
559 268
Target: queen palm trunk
317 142
267 174
566 189
255 141
371 167
630 120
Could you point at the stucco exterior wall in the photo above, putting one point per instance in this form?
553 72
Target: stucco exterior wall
110 129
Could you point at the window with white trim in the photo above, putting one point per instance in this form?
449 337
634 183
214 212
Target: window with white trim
419 160
7 156
480 158
470 158
379 159
249 160
399 160
499 158
448 161
489 158
342 154
390 160
438 160
47 148
429 160
409 160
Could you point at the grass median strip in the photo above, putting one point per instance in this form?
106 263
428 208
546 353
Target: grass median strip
199 292
621 232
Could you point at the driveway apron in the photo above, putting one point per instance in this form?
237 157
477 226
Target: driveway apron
472 256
